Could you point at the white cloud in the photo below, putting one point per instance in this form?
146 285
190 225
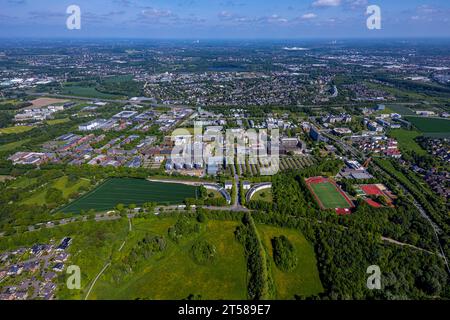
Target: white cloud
308 16
157 13
356 4
326 3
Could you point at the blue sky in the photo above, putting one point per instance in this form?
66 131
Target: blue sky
192 19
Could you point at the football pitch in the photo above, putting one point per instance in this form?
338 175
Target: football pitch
131 191
329 196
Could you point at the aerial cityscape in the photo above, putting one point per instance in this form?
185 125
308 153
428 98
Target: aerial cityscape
187 161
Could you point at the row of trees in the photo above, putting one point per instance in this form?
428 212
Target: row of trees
260 282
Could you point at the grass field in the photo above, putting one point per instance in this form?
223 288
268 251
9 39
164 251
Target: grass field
57 121
401 109
131 191
23 182
304 279
217 194
16 129
263 195
13 145
406 140
431 126
329 196
173 274
38 198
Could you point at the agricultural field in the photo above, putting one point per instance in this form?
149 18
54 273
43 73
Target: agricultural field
44 102
173 273
131 191
304 279
406 139
285 163
431 127
327 194
295 163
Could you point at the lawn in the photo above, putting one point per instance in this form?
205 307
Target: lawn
131 191
173 274
263 195
38 198
15 129
216 194
304 279
431 126
406 139
329 195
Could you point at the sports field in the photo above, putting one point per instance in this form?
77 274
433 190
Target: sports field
131 191
327 194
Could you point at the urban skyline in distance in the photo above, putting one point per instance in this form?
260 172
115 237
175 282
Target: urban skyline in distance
219 19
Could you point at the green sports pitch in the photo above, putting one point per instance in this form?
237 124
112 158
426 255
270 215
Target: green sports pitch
329 196
131 191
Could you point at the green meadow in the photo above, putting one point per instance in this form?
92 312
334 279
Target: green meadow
173 274
304 279
38 197
406 139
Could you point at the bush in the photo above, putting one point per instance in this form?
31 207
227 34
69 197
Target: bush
284 254
203 252
182 229
201 217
